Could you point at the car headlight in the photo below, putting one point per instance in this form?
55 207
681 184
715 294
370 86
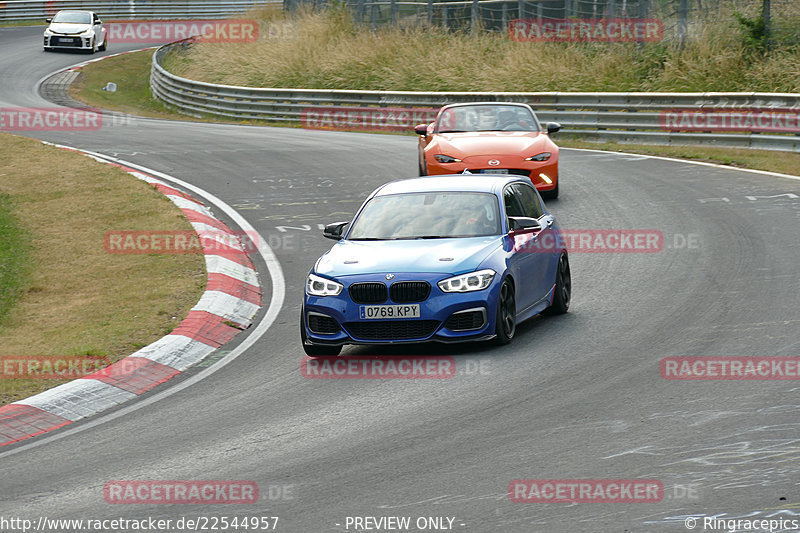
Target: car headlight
446 159
544 156
317 286
474 281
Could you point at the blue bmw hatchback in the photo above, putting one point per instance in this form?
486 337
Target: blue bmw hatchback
445 258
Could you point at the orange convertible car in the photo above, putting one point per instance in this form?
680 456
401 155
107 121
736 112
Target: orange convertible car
490 138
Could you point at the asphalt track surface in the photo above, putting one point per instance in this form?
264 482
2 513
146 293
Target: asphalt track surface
573 397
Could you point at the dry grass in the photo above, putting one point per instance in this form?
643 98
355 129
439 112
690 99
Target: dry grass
330 51
78 299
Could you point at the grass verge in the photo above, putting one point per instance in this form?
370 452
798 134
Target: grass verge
131 73
76 299
32 22
14 256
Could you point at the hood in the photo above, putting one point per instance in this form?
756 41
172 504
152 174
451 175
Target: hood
375 257
490 143
68 28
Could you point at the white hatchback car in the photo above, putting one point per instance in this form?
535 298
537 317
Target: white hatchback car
75 30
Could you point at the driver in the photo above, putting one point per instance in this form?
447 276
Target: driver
506 117
479 223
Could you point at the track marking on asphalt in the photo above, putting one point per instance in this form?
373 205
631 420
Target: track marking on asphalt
703 163
275 305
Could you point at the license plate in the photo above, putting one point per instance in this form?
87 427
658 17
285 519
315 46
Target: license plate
65 39
494 171
371 312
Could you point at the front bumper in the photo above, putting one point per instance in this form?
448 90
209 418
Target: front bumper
444 317
514 164
68 42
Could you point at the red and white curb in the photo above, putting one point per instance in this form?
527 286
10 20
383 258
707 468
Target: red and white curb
82 64
231 300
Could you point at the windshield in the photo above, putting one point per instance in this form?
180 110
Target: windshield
73 17
490 117
430 215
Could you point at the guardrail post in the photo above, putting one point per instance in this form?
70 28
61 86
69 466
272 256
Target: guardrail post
520 9
393 12
360 5
475 14
683 13
430 12
644 8
373 15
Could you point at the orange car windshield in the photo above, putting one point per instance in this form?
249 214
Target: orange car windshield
486 118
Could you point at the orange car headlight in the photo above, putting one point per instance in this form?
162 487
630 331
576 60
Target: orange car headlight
446 159
544 156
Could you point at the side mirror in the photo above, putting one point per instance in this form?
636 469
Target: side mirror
523 224
421 129
334 231
48 20
98 21
553 127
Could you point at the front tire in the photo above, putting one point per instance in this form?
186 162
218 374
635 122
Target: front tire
550 195
315 350
102 47
563 290
506 322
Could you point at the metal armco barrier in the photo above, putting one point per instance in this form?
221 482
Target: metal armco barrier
14 10
622 117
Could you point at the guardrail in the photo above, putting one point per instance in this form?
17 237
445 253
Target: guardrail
15 10
621 117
